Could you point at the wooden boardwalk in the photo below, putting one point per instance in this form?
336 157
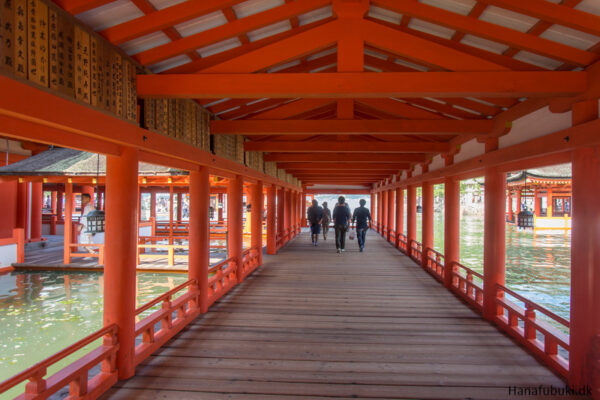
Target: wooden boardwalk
312 324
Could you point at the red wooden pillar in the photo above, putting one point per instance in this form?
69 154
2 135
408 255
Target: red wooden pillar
427 220
399 215
153 204
494 242
510 207
36 210
373 208
303 209
170 214
220 207
536 203
292 212
451 227
377 212
121 253
59 204
391 213
53 196
199 239
257 201
287 214
519 201
384 212
235 223
280 217
411 215
550 205
179 206
271 220
23 207
585 258
68 225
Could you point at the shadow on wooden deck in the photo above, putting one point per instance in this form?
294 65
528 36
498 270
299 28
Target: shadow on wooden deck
314 324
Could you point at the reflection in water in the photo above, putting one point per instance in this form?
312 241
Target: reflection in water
44 312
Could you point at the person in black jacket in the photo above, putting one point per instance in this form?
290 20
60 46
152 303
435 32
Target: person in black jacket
362 218
314 215
341 221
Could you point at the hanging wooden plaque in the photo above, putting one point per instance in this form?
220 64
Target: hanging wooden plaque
20 38
117 84
6 35
94 86
37 44
149 114
82 65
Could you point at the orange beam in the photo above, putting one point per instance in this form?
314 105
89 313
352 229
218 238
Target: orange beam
415 48
275 127
79 6
294 108
490 31
400 109
284 50
340 157
364 84
554 13
288 166
206 62
229 30
350 147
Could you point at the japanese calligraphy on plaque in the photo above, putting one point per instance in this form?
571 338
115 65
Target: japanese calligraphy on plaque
82 65
20 37
150 114
6 34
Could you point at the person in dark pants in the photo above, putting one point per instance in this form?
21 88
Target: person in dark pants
362 218
314 215
326 220
341 221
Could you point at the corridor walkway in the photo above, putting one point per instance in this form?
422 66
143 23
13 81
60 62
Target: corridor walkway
313 324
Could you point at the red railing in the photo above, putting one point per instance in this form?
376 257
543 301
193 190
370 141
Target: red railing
416 251
185 308
540 337
76 375
224 277
402 242
250 261
18 240
90 253
468 285
435 264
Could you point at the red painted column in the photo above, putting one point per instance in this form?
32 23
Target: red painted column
271 220
36 210
494 242
451 227
411 214
585 258
53 196
384 212
179 206
292 206
257 201
373 208
510 207
23 207
377 212
235 223
153 204
550 205
280 215
399 215
391 213
199 239
303 209
59 204
536 203
121 253
68 225
427 220
288 214
220 207
171 213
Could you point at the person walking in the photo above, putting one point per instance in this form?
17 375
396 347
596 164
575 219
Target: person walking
326 220
341 221
314 215
362 218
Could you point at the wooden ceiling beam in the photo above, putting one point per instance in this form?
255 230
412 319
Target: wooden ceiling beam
362 84
341 157
335 146
490 31
341 165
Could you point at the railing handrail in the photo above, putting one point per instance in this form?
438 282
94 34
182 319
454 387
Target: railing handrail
430 250
469 270
534 305
164 296
29 372
222 263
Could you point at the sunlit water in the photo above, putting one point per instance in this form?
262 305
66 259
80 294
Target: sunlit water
42 313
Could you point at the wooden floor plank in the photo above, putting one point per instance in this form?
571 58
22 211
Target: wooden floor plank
313 324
